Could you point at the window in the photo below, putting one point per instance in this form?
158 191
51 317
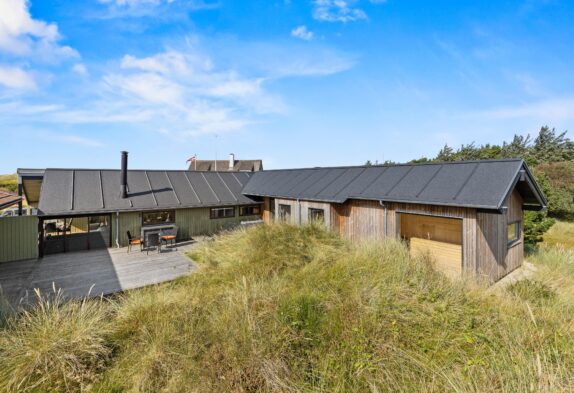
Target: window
316 214
284 213
222 212
513 232
158 217
254 210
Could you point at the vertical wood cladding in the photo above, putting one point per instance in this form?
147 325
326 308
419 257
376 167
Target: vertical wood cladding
485 250
300 210
495 257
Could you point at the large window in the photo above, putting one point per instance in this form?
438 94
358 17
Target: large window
284 213
222 212
316 215
158 217
253 210
513 232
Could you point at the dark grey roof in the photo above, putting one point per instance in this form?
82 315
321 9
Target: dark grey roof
223 165
477 184
8 199
85 191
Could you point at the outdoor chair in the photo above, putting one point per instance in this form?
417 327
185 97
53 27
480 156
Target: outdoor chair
132 241
168 237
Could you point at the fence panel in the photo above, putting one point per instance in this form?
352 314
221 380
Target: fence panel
18 238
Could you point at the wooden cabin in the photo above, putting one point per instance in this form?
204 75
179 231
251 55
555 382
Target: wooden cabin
468 215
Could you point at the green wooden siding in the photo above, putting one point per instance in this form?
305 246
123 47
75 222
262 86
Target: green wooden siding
190 222
132 222
18 238
194 222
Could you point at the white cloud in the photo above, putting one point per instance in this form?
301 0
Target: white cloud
553 109
337 11
302 33
80 69
21 35
16 78
153 8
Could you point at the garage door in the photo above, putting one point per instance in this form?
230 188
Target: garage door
438 236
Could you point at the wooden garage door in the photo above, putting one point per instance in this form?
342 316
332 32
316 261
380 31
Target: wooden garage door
438 236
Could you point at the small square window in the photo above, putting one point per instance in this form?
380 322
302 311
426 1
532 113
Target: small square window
254 210
513 232
316 215
284 213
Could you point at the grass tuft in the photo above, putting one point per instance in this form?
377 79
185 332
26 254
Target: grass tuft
54 346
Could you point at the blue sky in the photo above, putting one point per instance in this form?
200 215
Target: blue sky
294 82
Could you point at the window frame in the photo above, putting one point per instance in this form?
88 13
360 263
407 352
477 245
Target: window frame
517 233
171 213
312 210
223 208
242 208
281 214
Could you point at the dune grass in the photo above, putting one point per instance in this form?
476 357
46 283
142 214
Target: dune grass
560 234
285 309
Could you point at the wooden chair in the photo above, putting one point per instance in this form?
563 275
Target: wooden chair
168 237
132 241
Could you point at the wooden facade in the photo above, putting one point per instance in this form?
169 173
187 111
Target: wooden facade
481 238
18 238
190 222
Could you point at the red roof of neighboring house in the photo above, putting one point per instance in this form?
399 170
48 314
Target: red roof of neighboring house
8 199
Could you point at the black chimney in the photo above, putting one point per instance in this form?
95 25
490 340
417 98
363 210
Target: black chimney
124 176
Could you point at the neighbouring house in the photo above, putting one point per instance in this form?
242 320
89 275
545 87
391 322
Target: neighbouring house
8 199
84 209
231 164
468 215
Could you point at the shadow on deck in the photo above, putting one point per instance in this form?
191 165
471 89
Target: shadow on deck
92 273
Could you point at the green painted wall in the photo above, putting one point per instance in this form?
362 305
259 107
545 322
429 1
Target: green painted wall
132 222
18 238
190 222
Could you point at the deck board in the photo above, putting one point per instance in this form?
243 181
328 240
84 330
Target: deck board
92 273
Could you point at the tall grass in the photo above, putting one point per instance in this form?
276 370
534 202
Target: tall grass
55 346
285 309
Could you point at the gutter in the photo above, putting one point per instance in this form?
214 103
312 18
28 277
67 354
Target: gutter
118 229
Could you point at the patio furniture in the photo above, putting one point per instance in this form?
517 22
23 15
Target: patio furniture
133 241
168 236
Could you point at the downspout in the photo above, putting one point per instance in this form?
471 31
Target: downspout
299 210
118 229
384 218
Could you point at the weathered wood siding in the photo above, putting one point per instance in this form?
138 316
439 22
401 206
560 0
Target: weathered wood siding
485 252
190 222
18 238
495 258
300 210
360 220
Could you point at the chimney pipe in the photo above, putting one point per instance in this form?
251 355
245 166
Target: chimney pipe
124 176
231 161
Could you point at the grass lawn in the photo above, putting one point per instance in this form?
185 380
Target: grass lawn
9 182
561 234
286 309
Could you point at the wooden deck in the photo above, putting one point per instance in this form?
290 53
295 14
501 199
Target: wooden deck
92 273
